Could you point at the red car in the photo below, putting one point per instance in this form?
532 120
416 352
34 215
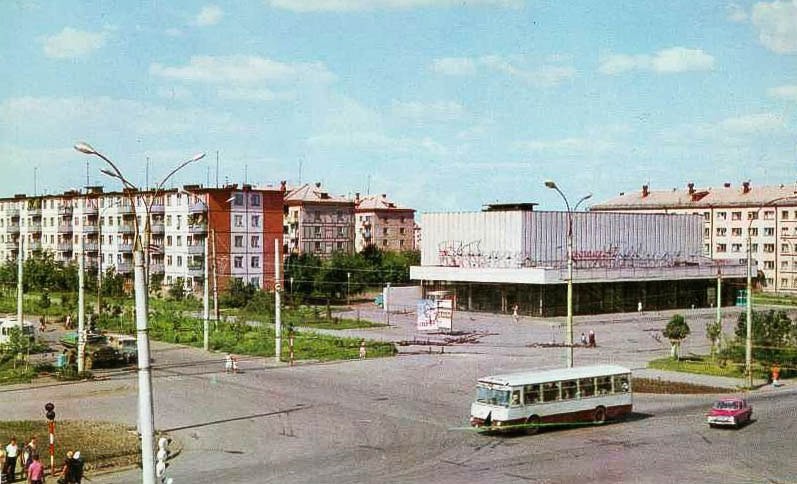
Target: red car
730 411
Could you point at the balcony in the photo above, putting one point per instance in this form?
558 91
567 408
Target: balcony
34 211
11 245
91 246
90 210
35 245
12 212
124 267
64 246
196 269
126 228
125 209
196 249
13 228
157 227
35 227
65 210
198 229
125 248
90 229
195 208
65 228
156 268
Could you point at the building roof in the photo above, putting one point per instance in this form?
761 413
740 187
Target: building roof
744 195
312 193
535 377
509 207
377 202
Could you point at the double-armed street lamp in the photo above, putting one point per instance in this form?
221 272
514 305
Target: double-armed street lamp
569 332
145 407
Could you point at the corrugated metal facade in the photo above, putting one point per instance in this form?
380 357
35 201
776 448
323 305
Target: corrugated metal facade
515 238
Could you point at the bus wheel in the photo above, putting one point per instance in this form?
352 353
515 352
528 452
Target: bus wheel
600 415
532 425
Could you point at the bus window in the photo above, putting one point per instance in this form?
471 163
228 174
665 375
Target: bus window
604 385
531 394
515 402
568 389
586 387
621 383
492 397
550 392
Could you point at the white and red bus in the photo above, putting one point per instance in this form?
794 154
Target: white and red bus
526 400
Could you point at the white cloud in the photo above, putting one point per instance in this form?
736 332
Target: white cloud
545 75
209 15
71 43
454 66
665 61
243 70
361 5
738 131
784 92
439 111
245 94
752 124
777 25
596 140
736 13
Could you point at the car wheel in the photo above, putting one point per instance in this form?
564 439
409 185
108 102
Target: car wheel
600 415
713 426
736 422
532 425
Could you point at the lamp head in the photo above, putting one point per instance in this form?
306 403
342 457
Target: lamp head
550 184
109 173
198 157
587 196
86 148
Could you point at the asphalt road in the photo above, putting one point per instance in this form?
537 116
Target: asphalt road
404 419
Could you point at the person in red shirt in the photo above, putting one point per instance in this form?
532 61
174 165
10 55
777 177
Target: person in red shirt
36 471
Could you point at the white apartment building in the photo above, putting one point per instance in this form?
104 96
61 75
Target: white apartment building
766 216
241 225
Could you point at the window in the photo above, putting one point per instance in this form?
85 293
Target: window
239 240
402 230
736 247
255 262
255 220
784 247
586 387
168 220
550 392
239 220
169 260
784 264
769 247
255 241
784 282
254 199
341 232
784 214
769 264
179 261
769 214
531 394
339 246
753 247
721 231
621 383
168 241
769 231
238 262
753 215
722 247
603 385
753 231
569 389
179 241
317 247
255 281
736 215
722 215
179 221
238 200
515 400
706 232
384 231
736 231
706 215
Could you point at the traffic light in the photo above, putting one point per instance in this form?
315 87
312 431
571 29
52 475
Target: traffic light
49 411
162 457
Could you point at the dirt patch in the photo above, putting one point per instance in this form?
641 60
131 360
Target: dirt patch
647 385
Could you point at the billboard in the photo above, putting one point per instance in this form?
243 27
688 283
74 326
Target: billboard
427 315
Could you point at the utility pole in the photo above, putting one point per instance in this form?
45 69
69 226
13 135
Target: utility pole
20 256
348 288
205 300
146 423
719 298
386 303
277 315
81 309
215 276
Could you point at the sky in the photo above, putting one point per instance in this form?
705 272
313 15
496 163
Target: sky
444 105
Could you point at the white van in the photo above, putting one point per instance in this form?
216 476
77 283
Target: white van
8 323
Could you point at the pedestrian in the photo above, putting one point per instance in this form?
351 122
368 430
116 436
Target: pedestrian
27 453
583 339
591 339
35 470
228 363
66 470
639 307
234 364
12 452
42 324
68 322
515 315
76 468
362 349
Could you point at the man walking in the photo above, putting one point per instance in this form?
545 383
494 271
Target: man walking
12 452
35 470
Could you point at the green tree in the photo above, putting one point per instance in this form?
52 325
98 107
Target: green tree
237 294
303 269
44 300
676 331
713 334
177 290
113 284
773 333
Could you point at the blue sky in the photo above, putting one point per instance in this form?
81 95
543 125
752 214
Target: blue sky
443 104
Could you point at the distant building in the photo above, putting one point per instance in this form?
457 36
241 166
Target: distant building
316 222
767 213
242 224
502 256
382 223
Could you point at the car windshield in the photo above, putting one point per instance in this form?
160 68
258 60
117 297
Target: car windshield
727 405
492 396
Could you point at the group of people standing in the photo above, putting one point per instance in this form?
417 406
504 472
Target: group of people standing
31 468
588 341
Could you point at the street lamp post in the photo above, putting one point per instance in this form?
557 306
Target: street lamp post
569 331
145 406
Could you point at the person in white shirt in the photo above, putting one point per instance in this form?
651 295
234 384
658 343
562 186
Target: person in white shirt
12 453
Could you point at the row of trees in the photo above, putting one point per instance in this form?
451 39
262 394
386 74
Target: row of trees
343 274
42 273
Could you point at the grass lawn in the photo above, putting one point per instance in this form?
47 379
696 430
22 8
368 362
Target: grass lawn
647 385
102 445
21 374
704 365
341 324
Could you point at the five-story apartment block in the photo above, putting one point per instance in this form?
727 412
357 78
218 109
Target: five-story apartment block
383 224
318 223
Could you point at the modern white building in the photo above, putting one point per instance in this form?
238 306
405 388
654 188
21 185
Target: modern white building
511 254
766 216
